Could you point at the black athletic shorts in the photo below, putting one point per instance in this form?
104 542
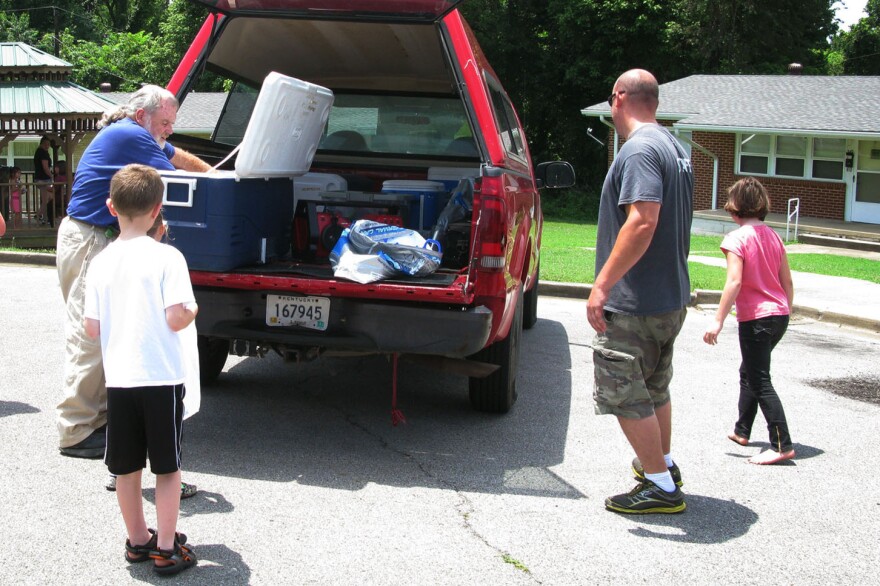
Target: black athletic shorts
142 422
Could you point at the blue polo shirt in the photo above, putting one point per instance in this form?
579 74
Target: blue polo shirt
120 144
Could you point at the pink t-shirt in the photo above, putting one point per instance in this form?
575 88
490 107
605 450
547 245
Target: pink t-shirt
762 250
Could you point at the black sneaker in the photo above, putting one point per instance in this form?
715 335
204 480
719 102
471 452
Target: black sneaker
647 498
639 471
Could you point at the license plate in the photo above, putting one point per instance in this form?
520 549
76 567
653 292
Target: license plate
306 312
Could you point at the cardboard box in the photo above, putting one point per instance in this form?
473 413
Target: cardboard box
221 222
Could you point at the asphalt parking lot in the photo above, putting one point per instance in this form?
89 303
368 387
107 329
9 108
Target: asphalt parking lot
303 480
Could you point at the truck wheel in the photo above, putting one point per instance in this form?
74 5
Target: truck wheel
212 358
530 305
497 392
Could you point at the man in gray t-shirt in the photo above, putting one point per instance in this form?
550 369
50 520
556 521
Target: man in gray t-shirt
650 167
638 301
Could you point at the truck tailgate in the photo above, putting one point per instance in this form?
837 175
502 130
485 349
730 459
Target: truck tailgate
450 287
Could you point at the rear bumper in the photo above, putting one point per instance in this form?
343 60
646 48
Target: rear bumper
354 325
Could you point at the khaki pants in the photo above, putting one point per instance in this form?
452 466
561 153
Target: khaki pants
84 407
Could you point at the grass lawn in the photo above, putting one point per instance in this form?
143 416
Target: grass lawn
567 256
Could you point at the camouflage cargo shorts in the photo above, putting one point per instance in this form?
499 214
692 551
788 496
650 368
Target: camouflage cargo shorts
633 363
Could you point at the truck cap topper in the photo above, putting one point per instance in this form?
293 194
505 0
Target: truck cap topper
380 10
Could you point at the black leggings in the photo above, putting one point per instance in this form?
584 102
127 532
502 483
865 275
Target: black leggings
757 338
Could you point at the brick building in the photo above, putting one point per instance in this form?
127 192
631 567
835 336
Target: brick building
815 138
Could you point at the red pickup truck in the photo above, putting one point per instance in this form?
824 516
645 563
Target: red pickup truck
414 103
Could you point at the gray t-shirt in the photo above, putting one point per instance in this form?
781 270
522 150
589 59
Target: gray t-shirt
650 166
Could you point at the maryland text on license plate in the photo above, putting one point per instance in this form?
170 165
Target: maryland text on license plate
307 312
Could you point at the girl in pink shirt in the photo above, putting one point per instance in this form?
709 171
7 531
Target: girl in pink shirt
759 282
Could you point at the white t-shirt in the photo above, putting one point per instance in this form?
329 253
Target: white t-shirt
128 286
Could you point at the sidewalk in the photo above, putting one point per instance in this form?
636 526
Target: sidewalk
838 300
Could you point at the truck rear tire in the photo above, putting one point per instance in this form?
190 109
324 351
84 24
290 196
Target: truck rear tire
530 305
212 358
496 393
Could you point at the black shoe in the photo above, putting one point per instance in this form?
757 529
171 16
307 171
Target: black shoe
647 498
187 490
639 471
92 447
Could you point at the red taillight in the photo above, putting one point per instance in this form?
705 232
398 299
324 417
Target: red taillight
492 234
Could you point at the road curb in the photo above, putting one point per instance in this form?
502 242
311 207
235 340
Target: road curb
582 291
28 258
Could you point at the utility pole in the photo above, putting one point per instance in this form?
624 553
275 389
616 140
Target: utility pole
55 22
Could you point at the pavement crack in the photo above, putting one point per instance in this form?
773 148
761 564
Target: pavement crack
464 506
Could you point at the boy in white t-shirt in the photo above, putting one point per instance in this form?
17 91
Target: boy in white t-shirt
138 296
157 232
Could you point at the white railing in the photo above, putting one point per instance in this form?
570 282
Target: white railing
796 212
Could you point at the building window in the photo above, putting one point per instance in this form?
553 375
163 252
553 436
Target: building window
754 154
791 153
791 156
828 157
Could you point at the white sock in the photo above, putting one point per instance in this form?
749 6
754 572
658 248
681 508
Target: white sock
663 480
668 458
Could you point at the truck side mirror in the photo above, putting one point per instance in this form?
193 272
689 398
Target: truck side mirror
554 174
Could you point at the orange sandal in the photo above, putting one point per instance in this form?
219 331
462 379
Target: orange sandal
135 554
179 558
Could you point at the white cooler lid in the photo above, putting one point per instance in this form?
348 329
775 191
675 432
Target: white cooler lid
284 129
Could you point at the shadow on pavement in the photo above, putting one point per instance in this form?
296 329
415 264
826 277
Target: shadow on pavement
327 423
706 520
802 452
217 564
8 408
202 502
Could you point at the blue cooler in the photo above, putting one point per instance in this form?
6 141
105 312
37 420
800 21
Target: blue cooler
221 222
426 200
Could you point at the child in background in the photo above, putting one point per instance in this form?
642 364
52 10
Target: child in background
138 296
4 179
759 282
15 197
157 232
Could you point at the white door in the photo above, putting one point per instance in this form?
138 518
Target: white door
866 192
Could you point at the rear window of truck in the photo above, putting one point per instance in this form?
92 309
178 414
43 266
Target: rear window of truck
372 124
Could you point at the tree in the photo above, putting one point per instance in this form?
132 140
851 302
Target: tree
177 30
857 52
130 15
125 60
557 57
752 36
15 27
37 21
